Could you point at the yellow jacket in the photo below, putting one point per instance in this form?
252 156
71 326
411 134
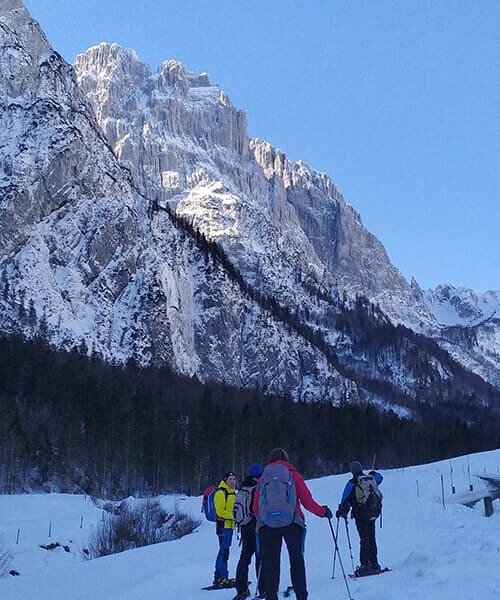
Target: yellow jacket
224 503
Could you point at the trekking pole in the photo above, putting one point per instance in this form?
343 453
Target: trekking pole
335 553
258 563
256 595
349 544
340 558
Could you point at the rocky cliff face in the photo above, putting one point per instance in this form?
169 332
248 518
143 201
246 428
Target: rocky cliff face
139 220
86 260
187 147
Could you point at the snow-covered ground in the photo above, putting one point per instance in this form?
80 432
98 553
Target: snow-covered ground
450 553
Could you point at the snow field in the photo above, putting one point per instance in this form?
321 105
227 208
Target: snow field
450 553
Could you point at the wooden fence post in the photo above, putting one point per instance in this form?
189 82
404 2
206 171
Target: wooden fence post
488 506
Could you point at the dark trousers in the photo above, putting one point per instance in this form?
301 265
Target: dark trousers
367 542
270 540
248 549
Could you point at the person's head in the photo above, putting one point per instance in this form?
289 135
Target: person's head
278 454
356 467
255 470
230 478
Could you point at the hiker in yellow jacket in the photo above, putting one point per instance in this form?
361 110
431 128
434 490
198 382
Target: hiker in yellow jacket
224 504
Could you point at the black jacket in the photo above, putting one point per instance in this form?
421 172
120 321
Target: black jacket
250 481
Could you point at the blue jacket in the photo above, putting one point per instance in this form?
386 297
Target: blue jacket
347 501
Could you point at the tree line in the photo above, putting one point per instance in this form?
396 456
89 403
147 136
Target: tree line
74 423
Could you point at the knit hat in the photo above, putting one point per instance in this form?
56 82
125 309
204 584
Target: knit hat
355 467
255 470
228 474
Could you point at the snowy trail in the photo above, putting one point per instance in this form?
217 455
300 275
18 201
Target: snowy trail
450 553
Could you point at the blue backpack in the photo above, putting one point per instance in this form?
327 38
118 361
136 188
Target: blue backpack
208 503
278 496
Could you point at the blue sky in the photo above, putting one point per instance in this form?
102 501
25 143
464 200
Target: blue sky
398 101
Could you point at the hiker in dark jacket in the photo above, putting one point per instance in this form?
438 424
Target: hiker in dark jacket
365 526
248 543
270 538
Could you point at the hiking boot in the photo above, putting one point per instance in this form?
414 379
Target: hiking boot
375 567
363 570
225 583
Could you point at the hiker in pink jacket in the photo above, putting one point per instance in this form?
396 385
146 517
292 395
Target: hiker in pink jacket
279 497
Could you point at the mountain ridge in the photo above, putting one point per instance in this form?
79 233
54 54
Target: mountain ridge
131 178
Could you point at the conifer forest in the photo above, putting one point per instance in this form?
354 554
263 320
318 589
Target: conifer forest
74 423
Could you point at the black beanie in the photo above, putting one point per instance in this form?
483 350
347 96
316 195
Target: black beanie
356 467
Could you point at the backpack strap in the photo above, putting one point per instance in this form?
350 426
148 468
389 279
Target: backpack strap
226 493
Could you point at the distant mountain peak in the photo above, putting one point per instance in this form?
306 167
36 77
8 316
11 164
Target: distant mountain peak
111 56
453 305
23 47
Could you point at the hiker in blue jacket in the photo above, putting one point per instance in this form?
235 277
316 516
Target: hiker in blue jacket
365 522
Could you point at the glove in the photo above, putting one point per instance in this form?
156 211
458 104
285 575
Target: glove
341 513
328 513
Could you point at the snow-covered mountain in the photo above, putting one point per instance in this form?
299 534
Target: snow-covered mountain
187 146
469 327
139 219
274 217
85 259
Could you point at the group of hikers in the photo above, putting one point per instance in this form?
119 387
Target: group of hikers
267 509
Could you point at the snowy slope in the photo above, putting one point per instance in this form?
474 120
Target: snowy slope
448 553
462 306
